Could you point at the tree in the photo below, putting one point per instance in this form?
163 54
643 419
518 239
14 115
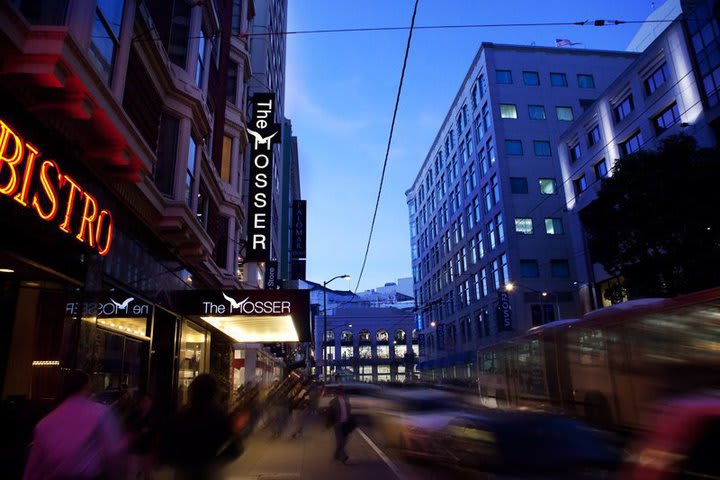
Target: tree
656 221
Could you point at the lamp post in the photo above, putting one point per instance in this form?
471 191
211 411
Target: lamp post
324 332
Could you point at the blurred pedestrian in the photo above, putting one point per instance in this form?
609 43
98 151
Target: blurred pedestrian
199 439
340 417
141 436
80 439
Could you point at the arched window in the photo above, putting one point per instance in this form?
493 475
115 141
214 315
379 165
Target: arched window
399 335
329 336
382 336
364 336
346 336
414 334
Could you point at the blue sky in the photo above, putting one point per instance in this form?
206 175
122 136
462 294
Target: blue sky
340 93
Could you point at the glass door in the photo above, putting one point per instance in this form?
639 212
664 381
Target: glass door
121 360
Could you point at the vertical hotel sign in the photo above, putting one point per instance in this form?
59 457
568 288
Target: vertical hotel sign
39 185
263 133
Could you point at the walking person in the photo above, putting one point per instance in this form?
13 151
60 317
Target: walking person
80 439
340 417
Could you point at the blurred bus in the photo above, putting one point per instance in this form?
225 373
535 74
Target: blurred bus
611 365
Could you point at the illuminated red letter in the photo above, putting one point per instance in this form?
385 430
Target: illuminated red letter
108 241
88 220
49 191
21 197
11 161
74 187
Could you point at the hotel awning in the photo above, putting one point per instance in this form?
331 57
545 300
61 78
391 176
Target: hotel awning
250 316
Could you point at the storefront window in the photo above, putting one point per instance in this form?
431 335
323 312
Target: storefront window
193 357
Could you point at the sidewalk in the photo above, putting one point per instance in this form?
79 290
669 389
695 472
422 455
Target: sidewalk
309 457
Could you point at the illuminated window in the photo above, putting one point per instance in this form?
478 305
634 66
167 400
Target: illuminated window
601 169
623 109
666 119
554 226
580 184
524 225
226 159
657 78
631 145
594 135
508 110
200 66
564 113
547 186
574 152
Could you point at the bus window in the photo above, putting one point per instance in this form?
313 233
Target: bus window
591 346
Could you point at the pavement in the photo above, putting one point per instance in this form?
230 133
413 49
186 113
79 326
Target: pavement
306 457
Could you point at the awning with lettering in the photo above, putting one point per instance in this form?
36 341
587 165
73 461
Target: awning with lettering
255 316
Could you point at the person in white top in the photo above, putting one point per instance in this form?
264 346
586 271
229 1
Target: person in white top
79 440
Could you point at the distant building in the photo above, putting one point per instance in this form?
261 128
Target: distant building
658 95
486 207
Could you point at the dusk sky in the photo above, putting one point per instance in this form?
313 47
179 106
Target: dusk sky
340 93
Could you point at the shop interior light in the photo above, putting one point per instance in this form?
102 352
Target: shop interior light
7 270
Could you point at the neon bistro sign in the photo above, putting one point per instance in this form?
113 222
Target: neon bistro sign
41 186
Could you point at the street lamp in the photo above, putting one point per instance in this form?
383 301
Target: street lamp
324 333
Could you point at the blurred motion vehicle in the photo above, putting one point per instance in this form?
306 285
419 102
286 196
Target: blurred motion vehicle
515 442
411 417
612 364
683 441
365 399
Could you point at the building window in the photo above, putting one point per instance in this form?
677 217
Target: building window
483 86
469 142
631 145
179 33
547 186
495 189
601 170
232 84
487 198
536 112
513 147
542 148
226 159
585 80
236 21
200 68
554 226
105 37
666 119
491 234
490 150
524 225
499 227
623 109
560 268
657 78
190 172
505 268
594 135
503 76
529 269
518 185
574 152
580 185
531 78
164 174
558 80
564 113
508 111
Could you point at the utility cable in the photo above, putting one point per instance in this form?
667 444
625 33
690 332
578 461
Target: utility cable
387 150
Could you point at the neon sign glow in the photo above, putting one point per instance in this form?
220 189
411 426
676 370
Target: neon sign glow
41 186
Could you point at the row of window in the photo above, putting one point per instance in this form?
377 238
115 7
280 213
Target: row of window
559 268
557 79
536 112
524 226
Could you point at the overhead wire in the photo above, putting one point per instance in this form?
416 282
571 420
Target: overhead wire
389 143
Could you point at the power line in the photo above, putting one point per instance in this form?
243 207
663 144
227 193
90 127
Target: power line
387 150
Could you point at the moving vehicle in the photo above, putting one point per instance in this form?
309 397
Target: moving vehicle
365 399
682 442
611 365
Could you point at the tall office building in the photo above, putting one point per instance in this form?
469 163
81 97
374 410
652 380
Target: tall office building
669 89
486 207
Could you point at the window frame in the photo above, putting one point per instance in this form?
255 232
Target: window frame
531 74
558 75
499 72
564 108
